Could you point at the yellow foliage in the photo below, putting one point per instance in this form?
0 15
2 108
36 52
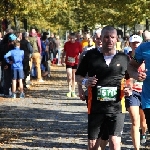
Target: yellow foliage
73 14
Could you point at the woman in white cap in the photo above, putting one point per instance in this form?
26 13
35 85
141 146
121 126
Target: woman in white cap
133 100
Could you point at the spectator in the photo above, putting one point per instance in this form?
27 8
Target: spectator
140 33
7 45
19 36
58 50
17 73
90 45
78 37
52 48
36 56
127 47
146 36
45 54
26 46
84 42
118 45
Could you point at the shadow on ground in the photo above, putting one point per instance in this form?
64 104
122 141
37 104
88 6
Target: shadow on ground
42 128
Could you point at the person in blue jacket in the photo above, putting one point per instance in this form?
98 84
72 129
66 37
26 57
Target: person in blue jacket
17 72
45 55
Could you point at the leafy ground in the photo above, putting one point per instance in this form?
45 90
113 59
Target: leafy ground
47 119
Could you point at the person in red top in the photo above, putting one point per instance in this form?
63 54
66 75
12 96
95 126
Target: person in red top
72 50
133 91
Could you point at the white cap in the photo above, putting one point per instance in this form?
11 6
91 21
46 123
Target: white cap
135 38
98 30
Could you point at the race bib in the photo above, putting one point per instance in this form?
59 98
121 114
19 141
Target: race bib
138 83
106 93
71 60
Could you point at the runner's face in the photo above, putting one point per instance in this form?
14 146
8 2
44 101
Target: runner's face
134 45
109 40
72 39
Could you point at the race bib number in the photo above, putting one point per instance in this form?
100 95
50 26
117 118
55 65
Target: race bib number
106 93
71 60
138 83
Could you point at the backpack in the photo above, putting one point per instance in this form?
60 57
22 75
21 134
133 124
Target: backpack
33 41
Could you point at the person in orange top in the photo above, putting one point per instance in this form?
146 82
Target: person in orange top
118 45
85 42
72 50
133 91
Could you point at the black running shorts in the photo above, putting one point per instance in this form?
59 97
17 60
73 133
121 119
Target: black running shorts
147 116
103 125
72 67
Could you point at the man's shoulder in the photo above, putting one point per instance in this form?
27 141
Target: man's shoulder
143 48
92 51
24 41
123 57
145 45
121 53
67 43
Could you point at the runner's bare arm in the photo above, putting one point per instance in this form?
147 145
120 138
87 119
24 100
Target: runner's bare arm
133 69
81 92
63 56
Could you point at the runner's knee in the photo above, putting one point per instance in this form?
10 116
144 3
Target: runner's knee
93 145
114 142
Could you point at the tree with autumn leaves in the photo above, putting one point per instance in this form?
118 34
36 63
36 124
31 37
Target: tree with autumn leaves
74 14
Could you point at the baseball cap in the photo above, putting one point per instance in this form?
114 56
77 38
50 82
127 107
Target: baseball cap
98 31
12 37
135 38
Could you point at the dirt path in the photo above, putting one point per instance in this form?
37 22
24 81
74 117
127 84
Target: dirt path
47 119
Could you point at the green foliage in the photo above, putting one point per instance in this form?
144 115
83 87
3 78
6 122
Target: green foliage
74 14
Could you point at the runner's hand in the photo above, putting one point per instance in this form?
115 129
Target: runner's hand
81 93
127 90
92 81
142 75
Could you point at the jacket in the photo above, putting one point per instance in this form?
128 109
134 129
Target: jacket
17 57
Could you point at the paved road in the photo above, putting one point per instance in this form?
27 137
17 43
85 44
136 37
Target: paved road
47 119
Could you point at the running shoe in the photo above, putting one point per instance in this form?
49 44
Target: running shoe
69 94
22 95
49 75
73 94
13 95
143 137
41 81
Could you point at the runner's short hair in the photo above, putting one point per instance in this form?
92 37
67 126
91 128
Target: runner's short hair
72 34
107 28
